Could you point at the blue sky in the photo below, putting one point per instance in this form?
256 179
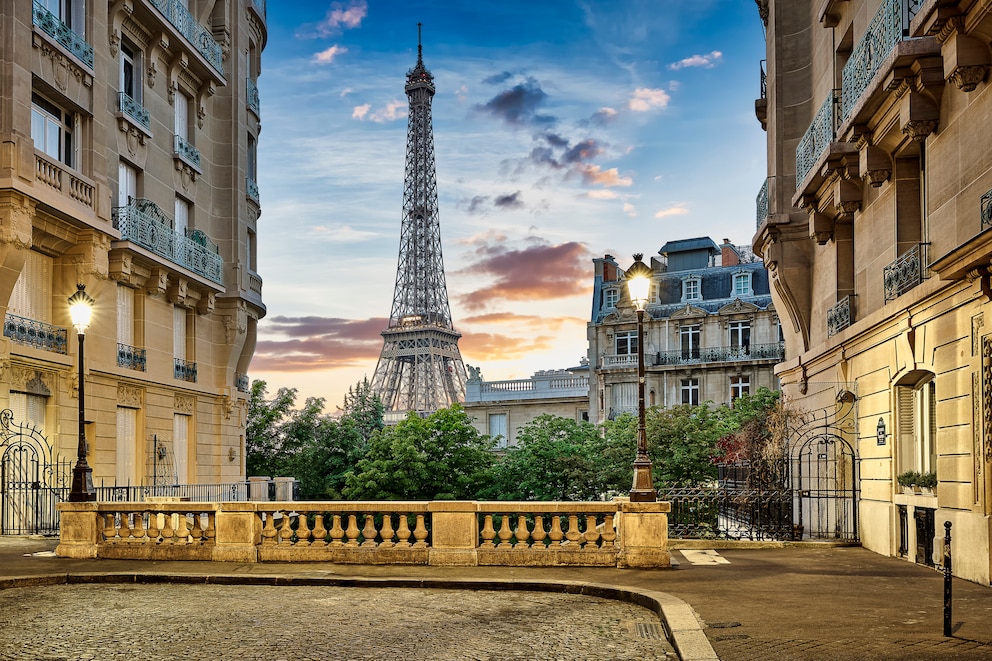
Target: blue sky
563 130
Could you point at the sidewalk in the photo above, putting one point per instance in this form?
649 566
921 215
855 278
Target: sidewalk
794 603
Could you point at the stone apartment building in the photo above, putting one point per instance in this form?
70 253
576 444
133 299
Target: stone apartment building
874 223
711 330
128 135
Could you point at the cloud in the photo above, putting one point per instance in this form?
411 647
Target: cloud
644 99
518 105
629 209
604 116
531 333
497 78
511 201
479 204
342 234
339 16
392 111
539 271
307 344
593 174
602 194
677 210
359 112
707 61
327 56
476 205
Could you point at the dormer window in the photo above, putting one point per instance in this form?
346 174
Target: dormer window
742 285
692 290
610 298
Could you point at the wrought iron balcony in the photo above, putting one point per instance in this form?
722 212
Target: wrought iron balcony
253 101
143 223
987 210
184 370
761 203
134 110
130 357
889 26
907 271
252 188
840 316
196 34
764 78
186 151
36 334
62 33
774 351
241 382
818 137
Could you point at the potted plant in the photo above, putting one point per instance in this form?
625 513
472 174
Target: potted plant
927 482
907 480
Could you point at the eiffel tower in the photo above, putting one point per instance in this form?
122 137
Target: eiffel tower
420 368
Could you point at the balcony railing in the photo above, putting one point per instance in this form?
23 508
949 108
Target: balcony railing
195 33
36 334
987 210
817 138
130 357
58 177
241 382
761 203
134 110
184 370
253 101
62 33
186 151
774 351
840 316
889 26
142 222
620 360
252 187
907 271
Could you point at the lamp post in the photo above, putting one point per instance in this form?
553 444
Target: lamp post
638 286
81 311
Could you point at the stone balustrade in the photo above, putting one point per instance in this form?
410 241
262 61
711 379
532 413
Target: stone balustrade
439 533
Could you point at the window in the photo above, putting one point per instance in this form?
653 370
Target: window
582 416
252 165
127 184
917 426
690 342
252 251
32 294
29 409
624 399
125 315
742 285
626 343
130 72
127 446
740 336
691 290
739 385
52 130
182 216
179 333
610 297
690 392
182 104
497 429
180 446
72 13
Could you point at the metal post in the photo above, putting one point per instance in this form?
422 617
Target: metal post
82 475
947 578
643 490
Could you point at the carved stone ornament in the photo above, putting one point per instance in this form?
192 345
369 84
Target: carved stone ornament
875 178
967 78
157 282
987 392
129 396
31 381
919 129
184 404
977 324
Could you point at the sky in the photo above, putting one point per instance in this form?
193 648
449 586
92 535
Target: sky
563 130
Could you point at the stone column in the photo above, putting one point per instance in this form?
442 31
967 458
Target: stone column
454 533
238 529
643 535
80 528
258 488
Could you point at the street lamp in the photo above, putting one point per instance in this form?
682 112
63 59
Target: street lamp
638 286
81 311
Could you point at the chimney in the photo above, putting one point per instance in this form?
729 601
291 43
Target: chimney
729 256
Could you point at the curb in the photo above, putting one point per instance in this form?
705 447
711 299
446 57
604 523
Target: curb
682 627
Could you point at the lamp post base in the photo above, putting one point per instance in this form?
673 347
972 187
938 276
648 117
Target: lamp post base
82 484
643 490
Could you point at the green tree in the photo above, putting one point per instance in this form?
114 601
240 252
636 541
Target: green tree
439 457
264 452
682 443
364 408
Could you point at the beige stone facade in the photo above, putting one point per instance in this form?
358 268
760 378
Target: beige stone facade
874 224
127 164
711 331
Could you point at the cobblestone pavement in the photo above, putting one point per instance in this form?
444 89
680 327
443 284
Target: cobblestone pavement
169 621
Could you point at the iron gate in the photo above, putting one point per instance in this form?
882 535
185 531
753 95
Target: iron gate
33 480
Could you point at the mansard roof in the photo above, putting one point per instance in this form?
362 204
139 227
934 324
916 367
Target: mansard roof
684 245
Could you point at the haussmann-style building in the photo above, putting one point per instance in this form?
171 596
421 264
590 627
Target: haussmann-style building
128 135
711 331
874 223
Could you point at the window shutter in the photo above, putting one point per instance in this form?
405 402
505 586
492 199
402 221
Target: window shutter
179 332
127 423
125 315
180 446
182 116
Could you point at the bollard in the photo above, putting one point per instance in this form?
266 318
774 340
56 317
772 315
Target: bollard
947 578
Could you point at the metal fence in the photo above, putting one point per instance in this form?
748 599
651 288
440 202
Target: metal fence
730 512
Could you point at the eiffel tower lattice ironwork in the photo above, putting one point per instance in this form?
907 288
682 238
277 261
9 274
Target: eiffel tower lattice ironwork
420 368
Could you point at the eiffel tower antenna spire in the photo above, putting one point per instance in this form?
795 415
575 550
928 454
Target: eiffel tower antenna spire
420 368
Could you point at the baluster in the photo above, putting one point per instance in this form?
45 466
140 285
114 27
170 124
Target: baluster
387 530
420 533
592 532
337 532
302 530
403 533
487 532
269 530
209 528
521 533
555 535
167 530
352 530
609 532
109 528
573 535
319 532
154 531
138 531
182 530
285 530
369 532
504 532
539 534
